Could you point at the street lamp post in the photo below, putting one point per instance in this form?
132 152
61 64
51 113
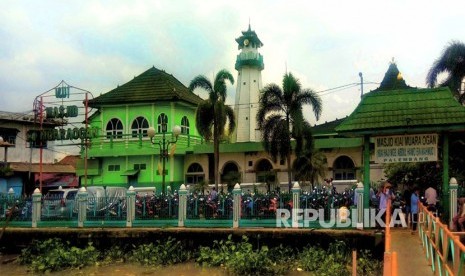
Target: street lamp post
164 145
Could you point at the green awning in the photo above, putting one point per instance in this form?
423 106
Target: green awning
130 172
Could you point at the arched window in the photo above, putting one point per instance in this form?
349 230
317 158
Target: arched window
139 126
185 125
230 174
162 123
114 129
264 171
194 174
344 168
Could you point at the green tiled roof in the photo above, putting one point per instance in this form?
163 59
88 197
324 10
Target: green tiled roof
326 128
151 86
405 110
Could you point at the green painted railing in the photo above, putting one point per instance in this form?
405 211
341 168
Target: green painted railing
268 211
443 249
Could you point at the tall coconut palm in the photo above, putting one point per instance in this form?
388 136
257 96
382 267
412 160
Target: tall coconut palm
452 62
213 115
280 118
310 164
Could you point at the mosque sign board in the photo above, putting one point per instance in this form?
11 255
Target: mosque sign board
406 148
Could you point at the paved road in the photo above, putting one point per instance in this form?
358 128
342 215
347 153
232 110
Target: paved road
411 258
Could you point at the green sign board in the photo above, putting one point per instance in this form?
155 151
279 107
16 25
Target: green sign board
61 134
406 148
61 111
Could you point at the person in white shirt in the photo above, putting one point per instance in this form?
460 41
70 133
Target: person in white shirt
431 198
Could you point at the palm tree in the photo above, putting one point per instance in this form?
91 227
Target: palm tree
311 169
213 114
310 164
280 118
452 62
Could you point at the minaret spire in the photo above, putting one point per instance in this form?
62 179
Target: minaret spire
249 64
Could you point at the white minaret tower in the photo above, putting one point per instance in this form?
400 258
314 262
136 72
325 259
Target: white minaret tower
249 64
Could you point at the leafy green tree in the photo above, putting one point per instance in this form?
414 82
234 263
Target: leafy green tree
213 115
280 118
452 62
420 174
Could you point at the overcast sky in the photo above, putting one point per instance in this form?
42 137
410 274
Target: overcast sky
96 45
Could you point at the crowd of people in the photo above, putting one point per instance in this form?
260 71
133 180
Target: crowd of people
410 201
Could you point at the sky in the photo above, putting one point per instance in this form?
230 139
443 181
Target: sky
98 45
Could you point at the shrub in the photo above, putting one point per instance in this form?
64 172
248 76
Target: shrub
220 253
367 265
114 254
311 258
54 255
161 253
240 258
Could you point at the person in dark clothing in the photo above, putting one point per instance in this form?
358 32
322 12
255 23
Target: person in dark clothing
407 199
415 201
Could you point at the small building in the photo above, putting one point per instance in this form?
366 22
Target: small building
21 159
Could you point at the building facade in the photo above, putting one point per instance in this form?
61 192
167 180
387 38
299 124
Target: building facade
124 155
22 161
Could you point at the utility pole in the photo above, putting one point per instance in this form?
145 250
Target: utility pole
361 84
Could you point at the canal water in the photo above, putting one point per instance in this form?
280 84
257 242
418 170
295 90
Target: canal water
125 269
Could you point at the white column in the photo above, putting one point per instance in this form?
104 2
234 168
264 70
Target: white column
130 206
36 207
82 197
237 194
182 205
453 186
359 193
295 204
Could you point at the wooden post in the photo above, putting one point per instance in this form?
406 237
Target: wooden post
354 262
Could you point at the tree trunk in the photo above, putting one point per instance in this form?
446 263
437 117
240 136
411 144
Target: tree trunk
216 154
216 150
288 161
289 172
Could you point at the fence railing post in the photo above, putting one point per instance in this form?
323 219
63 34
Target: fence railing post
295 204
36 207
453 187
130 206
237 194
182 207
360 204
82 197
